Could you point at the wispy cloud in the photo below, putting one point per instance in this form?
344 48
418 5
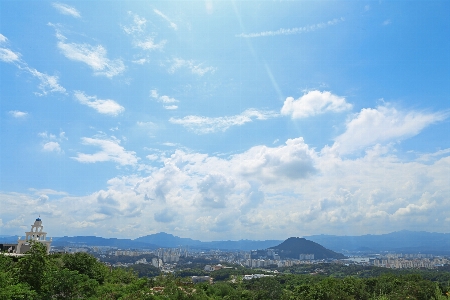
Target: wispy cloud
140 61
94 56
48 83
197 69
149 44
66 9
108 106
386 22
296 30
171 107
204 125
7 55
138 25
314 103
2 38
18 114
172 24
111 150
382 125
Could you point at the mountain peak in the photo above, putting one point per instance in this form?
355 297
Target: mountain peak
294 246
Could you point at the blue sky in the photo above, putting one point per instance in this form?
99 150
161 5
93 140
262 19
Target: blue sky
224 119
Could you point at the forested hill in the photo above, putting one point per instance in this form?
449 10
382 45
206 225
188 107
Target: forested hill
294 246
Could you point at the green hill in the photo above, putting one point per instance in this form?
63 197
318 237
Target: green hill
294 246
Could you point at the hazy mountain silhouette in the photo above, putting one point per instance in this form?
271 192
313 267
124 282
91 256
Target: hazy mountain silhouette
400 241
294 246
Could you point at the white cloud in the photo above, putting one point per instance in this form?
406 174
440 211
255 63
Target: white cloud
138 25
8 55
108 106
66 9
203 125
149 44
51 142
262 193
293 160
164 99
2 38
314 103
433 156
52 147
382 125
140 61
94 56
172 24
49 84
167 99
296 30
111 150
386 22
196 69
18 114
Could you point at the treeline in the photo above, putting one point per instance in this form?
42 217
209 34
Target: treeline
38 276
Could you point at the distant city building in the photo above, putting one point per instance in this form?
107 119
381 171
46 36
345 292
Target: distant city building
197 279
306 256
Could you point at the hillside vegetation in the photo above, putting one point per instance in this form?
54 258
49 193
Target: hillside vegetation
38 276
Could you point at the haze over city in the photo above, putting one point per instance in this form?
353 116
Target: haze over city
224 120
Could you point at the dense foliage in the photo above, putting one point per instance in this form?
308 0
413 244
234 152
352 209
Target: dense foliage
38 276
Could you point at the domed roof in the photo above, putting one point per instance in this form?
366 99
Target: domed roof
38 219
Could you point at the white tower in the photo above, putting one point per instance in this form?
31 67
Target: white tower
36 234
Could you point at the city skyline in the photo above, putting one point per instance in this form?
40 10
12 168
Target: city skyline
225 120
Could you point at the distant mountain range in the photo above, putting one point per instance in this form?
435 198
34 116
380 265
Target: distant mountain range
400 241
158 240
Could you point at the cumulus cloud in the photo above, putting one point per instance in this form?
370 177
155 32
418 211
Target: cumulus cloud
296 30
164 99
214 190
52 147
294 160
264 192
165 216
93 56
107 106
196 69
18 114
111 150
66 9
314 103
52 142
171 24
382 125
204 125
